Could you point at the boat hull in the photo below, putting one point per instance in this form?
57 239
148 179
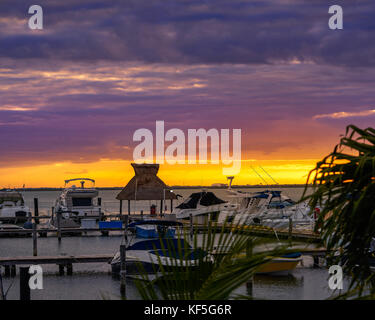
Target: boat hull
279 266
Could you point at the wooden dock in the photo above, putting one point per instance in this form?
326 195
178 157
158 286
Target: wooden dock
258 231
10 263
29 260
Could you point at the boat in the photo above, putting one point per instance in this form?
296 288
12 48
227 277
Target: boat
281 265
76 203
272 209
12 230
203 206
148 254
276 266
13 208
154 228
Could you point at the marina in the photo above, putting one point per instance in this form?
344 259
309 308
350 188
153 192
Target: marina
147 216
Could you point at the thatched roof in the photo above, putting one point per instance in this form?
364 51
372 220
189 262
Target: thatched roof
145 185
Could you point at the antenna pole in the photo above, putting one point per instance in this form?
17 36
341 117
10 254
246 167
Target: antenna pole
268 175
259 175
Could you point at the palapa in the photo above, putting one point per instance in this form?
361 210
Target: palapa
146 185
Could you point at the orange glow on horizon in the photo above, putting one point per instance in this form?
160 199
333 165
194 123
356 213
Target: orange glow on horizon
116 173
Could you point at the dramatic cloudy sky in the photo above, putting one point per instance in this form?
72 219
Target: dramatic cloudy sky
72 95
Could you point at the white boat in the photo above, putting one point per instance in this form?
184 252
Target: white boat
203 206
76 203
163 248
13 208
271 208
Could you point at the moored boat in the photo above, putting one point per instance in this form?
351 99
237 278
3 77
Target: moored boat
161 250
76 203
202 207
13 208
280 265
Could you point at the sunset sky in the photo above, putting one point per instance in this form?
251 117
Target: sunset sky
72 95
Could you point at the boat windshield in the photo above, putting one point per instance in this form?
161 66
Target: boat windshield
82 202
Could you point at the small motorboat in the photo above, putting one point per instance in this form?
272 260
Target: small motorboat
276 265
161 246
148 255
281 265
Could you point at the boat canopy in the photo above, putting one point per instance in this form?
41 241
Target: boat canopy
82 181
203 198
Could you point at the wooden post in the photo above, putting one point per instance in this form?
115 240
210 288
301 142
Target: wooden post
316 262
161 208
249 253
171 205
123 270
7 271
101 215
126 222
36 210
69 269
58 215
2 294
13 271
35 240
191 227
120 209
129 207
290 229
141 214
24 284
61 269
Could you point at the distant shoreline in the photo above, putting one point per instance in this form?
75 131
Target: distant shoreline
183 187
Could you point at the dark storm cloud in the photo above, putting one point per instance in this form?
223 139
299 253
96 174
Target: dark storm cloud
207 32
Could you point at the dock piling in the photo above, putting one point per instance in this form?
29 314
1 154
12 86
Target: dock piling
35 240
191 227
58 215
101 214
249 253
61 270
290 232
123 270
120 209
69 269
36 210
2 294
13 270
24 284
7 271
316 261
